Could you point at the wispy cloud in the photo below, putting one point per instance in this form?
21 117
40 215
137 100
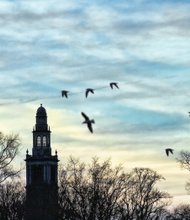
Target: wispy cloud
47 46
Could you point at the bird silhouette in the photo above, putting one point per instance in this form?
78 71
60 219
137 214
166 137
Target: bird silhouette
88 122
112 84
64 93
168 151
89 90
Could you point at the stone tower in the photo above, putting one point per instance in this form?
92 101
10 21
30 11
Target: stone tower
41 173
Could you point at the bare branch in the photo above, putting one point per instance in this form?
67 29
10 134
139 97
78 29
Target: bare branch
184 160
9 148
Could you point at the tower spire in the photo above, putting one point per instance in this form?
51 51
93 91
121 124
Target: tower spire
41 134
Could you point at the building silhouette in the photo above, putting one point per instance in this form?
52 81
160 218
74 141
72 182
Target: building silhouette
41 173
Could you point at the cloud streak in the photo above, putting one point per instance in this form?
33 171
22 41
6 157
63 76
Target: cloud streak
143 45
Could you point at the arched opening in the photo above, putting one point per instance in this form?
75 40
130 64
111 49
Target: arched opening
44 141
38 141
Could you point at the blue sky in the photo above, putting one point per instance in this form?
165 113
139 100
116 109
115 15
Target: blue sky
47 46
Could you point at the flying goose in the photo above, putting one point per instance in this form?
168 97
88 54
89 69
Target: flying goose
112 84
64 93
88 121
168 151
89 90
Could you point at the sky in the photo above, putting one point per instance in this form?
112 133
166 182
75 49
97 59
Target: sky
143 45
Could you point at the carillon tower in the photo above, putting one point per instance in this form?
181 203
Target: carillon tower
41 173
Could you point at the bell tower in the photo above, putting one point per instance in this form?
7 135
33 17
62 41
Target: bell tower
41 173
41 134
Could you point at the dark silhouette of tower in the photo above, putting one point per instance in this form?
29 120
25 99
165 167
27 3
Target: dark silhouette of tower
41 173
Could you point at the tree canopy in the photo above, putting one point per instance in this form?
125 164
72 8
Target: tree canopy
98 191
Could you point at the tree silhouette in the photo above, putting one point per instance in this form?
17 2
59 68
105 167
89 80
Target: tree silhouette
184 160
9 147
142 200
181 212
98 191
12 197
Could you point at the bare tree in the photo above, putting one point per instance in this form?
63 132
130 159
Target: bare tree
184 160
142 199
9 147
12 199
92 192
100 192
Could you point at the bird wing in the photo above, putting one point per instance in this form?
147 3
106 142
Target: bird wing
171 151
87 91
85 116
116 85
90 127
167 152
111 85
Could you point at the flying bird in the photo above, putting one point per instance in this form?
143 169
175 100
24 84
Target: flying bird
168 151
88 121
112 84
89 90
64 93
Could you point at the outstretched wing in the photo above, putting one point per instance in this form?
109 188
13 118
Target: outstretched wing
111 85
90 127
171 151
85 116
116 85
86 94
62 92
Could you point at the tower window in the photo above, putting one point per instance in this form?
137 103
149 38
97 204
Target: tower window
44 141
38 141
